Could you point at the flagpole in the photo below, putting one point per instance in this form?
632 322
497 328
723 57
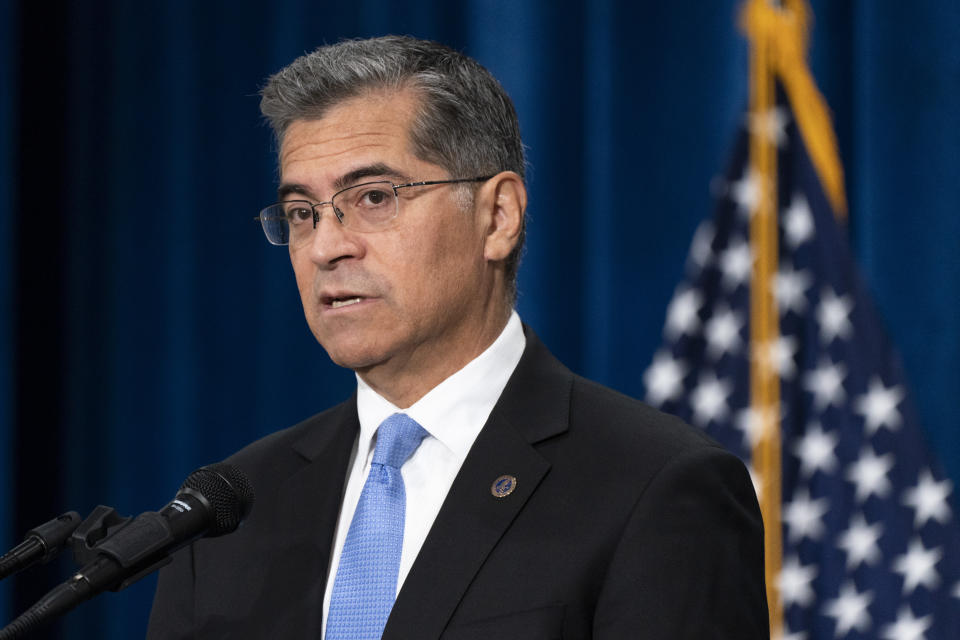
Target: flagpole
778 45
764 379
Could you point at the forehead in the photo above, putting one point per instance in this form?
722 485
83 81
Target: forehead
360 131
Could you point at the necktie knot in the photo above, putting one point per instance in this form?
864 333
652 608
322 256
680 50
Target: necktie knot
397 438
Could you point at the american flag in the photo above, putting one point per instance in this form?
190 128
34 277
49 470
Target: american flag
871 544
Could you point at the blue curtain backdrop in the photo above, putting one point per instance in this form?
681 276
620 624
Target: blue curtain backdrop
148 328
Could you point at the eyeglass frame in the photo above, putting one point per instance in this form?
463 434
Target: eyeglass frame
339 214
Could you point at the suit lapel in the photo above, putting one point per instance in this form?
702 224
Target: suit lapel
325 449
309 504
534 406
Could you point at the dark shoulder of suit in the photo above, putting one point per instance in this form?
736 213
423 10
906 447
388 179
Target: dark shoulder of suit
622 523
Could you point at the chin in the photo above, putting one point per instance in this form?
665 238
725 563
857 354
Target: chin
352 354
354 362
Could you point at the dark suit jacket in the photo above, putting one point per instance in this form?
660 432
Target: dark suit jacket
625 523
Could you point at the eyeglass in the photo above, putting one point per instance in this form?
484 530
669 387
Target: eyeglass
371 206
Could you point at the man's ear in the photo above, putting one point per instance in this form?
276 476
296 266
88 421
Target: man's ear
503 201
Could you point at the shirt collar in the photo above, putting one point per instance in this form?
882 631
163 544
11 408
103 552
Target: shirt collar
455 410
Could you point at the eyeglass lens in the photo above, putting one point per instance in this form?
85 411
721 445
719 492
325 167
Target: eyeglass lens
363 208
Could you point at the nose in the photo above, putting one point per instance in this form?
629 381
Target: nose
331 241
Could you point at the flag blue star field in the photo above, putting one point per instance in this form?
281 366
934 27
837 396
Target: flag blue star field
871 543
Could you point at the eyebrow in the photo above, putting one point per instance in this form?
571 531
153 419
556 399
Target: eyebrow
290 188
376 170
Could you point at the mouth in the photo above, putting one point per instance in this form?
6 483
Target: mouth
340 301
336 303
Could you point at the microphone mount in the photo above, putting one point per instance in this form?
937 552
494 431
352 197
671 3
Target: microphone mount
106 533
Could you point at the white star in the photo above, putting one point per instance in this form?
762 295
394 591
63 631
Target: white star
723 333
795 582
929 499
849 609
798 221
833 316
816 450
879 406
756 424
778 355
709 399
747 191
860 542
826 384
869 474
907 627
700 251
787 635
770 125
682 313
664 378
804 517
956 590
735 263
789 289
918 566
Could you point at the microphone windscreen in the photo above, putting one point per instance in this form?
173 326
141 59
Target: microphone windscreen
227 490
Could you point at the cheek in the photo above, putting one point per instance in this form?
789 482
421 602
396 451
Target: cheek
453 265
303 274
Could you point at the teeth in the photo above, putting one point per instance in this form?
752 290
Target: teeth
336 304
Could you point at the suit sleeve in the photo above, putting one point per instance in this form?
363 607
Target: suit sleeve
690 561
171 617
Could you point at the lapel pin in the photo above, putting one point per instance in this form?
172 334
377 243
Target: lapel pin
503 486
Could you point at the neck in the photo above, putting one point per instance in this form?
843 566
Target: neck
403 383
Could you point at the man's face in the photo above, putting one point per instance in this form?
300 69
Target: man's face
399 300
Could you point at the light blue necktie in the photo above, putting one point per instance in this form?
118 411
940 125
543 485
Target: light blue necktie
366 582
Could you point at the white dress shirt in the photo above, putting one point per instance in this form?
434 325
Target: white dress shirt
453 413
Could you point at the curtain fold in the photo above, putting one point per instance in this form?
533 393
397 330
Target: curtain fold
8 82
150 329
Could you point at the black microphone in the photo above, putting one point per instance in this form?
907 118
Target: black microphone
212 502
40 544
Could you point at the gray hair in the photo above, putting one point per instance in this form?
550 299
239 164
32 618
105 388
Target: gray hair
466 122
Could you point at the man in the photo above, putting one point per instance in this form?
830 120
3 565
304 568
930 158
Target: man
526 502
